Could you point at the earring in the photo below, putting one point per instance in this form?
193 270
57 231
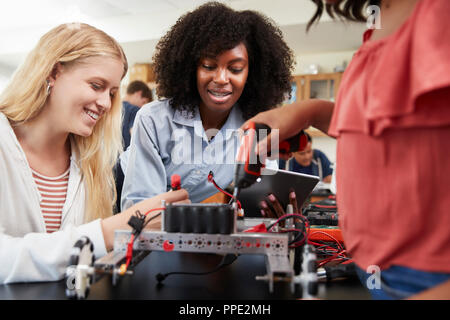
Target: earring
49 87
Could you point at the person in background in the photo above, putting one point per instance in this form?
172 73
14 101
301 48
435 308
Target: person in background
215 67
138 94
310 161
60 122
391 120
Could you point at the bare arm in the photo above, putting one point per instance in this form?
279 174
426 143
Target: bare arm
293 118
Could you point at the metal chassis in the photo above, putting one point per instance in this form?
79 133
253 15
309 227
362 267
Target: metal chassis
273 246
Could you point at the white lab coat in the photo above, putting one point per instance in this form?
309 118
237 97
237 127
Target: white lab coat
27 252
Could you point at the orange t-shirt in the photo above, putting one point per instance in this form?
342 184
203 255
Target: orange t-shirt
392 122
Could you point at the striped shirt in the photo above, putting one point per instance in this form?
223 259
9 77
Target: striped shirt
53 191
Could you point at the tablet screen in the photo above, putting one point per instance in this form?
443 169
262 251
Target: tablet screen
279 182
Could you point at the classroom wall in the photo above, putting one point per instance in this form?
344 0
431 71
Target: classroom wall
326 61
5 75
3 82
327 145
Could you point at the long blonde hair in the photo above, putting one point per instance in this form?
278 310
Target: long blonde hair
26 94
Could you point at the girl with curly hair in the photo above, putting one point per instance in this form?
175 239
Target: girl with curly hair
60 126
216 67
391 120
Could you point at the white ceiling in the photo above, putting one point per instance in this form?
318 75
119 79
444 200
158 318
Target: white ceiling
138 24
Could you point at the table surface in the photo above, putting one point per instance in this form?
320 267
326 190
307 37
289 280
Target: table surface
236 281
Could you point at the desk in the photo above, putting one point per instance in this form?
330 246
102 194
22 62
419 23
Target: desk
236 281
319 195
317 198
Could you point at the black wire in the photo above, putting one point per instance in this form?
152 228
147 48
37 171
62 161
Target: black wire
226 261
297 216
141 216
323 251
152 218
301 233
329 244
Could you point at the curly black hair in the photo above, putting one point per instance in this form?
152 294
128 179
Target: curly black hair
211 29
352 10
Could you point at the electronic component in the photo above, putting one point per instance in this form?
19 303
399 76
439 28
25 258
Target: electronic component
322 212
130 250
341 271
199 218
324 218
202 228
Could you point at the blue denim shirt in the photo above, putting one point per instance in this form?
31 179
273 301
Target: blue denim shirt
166 142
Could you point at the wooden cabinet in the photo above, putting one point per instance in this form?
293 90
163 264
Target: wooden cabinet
323 86
143 72
317 86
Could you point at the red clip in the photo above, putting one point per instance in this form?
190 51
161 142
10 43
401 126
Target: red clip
175 182
210 176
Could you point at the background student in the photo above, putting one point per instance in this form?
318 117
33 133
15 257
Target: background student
60 122
310 161
138 94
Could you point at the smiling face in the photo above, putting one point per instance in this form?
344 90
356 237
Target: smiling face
83 93
221 79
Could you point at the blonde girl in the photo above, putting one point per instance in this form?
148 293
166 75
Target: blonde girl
60 120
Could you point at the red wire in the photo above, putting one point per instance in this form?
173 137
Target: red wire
289 215
305 235
328 236
220 189
151 210
296 244
324 206
323 245
129 254
211 179
339 255
335 257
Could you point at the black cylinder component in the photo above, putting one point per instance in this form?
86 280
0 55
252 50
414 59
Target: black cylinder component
344 271
227 222
185 226
199 218
196 217
209 216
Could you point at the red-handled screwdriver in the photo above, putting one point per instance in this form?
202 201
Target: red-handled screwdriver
248 164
